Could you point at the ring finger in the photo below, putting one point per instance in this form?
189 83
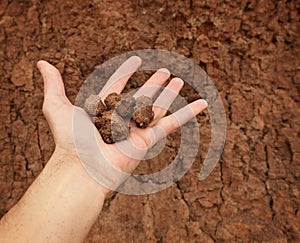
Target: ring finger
166 98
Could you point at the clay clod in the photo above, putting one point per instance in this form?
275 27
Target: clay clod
111 127
94 106
143 114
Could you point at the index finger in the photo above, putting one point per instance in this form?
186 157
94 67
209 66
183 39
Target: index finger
118 80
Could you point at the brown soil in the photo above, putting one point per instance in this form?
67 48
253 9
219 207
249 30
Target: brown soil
251 51
143 114
125 107
112 127
94 106
112 100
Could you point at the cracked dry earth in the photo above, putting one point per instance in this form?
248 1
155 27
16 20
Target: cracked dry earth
251 51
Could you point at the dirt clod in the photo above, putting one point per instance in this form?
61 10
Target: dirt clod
94 106
112 100
143 114
100 109
109 119
97 122
111 127
125 107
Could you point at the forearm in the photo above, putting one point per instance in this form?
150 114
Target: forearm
60 206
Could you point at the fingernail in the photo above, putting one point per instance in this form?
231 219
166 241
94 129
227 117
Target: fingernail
136 59
164 70
178 80
205 103
40 64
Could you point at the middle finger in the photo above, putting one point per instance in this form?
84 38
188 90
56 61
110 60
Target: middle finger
154 83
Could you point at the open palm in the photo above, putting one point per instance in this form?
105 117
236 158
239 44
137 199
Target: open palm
75 133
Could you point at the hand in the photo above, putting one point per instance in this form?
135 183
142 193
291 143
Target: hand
60 113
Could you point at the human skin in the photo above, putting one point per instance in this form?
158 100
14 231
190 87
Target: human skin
64 201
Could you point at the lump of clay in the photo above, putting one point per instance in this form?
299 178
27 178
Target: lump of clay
94 106
97 122
101 108
125 107
108 117
111 127
112 100
143 114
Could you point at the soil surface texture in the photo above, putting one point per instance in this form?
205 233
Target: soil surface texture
250 49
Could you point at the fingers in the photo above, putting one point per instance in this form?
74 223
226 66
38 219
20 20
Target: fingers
170 123
118 80
154 83
166 98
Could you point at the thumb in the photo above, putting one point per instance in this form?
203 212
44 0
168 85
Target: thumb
54 91
53 83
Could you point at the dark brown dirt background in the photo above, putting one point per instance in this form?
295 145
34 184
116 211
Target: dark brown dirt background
251 51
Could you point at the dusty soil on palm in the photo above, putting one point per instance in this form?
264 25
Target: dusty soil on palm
251 51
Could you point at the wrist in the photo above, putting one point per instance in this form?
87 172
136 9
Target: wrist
71 166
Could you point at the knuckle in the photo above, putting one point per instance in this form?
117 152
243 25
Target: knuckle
50 104
45 110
